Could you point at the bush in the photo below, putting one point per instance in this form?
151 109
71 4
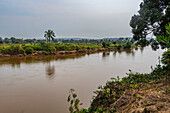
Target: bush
60 47
12 50
49 47
166 57
29 50
119 46
127 45
37 47
70 47
105 44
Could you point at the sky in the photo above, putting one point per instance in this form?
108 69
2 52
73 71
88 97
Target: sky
67 18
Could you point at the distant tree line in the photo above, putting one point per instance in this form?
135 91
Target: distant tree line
14 40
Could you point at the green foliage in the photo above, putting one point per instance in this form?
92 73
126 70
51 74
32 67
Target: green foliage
51 48
154 44
143 42
7 40
128 45
114 42
152 18
115 88
165 40
134 86
49 35
60 47
100 110
12 49
74 102
65 47
119 46
29 50
166 57
105 44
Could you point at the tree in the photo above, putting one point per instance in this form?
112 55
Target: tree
105 44
165 40
153 16
127 45
114 42
1 40
13 40
49 35
7 40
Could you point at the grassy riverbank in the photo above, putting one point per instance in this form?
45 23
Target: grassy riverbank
135 93
43 48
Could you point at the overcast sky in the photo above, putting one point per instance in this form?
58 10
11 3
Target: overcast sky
67 18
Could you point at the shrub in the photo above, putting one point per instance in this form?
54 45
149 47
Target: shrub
70 47
119 46
12 50
166 57
51 49
127 45
105 44
29 50
60 47
37 47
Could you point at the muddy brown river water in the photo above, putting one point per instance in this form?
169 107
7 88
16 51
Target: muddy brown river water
41 84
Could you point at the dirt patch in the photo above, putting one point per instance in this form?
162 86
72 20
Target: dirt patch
150 98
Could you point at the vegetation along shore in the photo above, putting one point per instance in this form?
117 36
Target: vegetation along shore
138 92
44 47
135 93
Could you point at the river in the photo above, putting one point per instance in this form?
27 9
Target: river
41 84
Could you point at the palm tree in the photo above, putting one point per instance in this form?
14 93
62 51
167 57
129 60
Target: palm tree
49 35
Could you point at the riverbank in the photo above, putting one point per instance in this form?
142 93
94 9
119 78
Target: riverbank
135 93
43 53
137 98
152 97
19 50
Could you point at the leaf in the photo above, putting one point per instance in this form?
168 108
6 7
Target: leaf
72 102
71 109
118 78
77 101
113 78
72 90
68 100
74 95
76 106
162 91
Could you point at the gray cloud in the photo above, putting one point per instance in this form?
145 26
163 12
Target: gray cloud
68 18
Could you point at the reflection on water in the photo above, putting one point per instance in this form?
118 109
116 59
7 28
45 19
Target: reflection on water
128 52
141 49
16 61
50 71
41 84
106 54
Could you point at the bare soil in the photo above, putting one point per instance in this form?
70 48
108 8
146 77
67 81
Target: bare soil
148 98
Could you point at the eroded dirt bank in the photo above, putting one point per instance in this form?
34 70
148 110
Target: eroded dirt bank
153 98
42 53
